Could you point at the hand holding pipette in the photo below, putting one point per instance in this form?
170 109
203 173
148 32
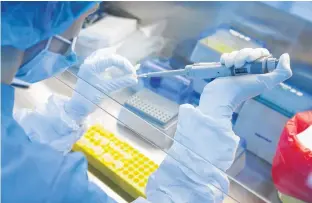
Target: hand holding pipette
217 69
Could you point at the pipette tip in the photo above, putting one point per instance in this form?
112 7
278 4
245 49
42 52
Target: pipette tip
142 76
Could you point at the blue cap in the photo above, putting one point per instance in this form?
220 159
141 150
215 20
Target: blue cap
24 24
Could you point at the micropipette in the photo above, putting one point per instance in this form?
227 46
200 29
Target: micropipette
216 69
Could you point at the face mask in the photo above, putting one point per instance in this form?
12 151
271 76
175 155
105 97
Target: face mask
47 64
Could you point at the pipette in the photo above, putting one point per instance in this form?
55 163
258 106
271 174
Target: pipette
216 69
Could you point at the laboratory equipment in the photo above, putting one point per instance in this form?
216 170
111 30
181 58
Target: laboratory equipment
107 32
147 41
162 113
146 108
223 39
214 42
292 164
262 119
216 69
116 159
177 88
142 103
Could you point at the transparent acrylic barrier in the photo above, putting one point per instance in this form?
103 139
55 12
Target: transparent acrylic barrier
105 118
126 154
39 92
263 119
138 128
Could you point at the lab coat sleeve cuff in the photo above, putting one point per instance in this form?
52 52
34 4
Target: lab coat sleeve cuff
80 105
50 124
194 169
210 138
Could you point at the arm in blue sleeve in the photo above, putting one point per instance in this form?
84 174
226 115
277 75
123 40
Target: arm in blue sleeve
63 129
36 173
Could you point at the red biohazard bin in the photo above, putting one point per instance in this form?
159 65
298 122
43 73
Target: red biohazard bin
292 164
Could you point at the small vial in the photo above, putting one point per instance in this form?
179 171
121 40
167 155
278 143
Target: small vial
118 164
108 158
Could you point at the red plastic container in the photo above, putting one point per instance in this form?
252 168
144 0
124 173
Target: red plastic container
292 164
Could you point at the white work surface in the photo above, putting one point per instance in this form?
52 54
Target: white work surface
39 93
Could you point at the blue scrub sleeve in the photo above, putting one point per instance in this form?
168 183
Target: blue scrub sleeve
32 172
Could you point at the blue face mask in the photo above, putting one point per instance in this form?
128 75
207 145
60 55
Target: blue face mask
47 64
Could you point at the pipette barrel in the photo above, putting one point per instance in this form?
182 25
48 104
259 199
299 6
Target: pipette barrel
215 69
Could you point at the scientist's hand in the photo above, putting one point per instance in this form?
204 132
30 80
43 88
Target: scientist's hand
223 95
107 71
102 73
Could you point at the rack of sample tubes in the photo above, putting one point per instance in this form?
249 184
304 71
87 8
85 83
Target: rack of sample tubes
116 159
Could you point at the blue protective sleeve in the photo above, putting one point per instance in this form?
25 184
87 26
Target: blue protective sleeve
32 172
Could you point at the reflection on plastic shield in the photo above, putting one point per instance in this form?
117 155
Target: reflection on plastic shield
107 115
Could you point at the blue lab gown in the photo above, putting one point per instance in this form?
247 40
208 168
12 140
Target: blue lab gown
34 172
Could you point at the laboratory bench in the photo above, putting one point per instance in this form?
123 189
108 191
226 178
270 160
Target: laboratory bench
253 178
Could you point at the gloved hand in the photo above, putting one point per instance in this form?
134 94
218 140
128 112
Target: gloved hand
49 124
205 144
223 95
100 74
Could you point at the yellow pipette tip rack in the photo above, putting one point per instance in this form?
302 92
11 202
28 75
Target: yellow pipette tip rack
116 159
